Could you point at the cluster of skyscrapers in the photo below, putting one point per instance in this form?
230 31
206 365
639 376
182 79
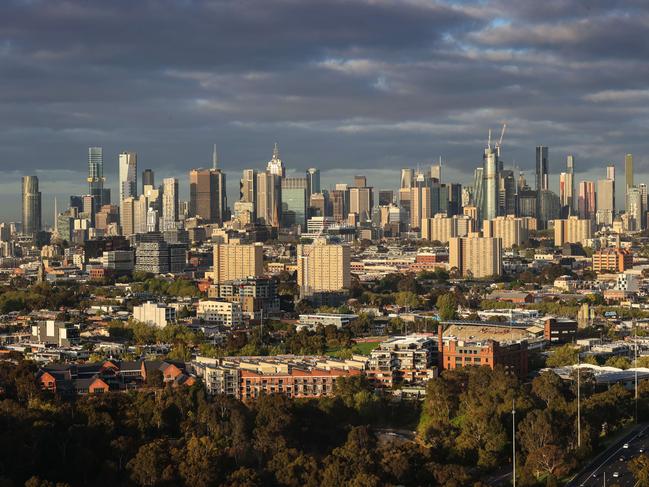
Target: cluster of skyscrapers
299 204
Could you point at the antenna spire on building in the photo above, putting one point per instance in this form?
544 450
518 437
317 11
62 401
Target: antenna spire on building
275 151
215 158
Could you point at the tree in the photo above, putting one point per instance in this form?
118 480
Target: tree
639 467
152 464
447 306
200 463
564 355
407 299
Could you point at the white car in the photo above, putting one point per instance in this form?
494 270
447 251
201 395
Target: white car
616 474
626 445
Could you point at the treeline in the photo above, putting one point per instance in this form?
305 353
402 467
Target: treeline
467 420
181 437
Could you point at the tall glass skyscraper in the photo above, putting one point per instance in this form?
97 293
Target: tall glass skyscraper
490 184
542 177
313 179
96 176
294 202
127 175
31 206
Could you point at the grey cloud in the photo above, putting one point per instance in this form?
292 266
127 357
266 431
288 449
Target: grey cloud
372 85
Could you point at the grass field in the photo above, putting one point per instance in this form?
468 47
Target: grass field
363 348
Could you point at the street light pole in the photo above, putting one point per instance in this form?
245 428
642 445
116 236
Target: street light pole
513 442
578 402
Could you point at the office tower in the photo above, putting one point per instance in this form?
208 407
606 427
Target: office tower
361 201
269 199
338 205
454 199
407 178
490 183
542 175
528 203
512 230
586 201
127 175
386 197
169 204
605 201
436 171
294 202
237 261
420 200
319 204
76 202
5 232
106 216
549 207
31 206
634 208
127 216
360 181
476 256
565 193
643 191
506 193
323 267
148 178
572 230
96 176
248 190
313 177
628 170
140 213
522 182
207 195
275 165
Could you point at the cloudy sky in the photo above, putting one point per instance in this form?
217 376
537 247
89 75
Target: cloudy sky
346 86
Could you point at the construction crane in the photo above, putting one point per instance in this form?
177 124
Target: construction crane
500 141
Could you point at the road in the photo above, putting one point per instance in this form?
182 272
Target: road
614 461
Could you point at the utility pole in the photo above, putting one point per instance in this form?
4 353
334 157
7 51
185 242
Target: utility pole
578 402
514 442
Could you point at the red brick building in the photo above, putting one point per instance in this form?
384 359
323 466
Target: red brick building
454 354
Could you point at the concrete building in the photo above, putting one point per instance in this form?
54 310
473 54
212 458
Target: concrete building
155 314
170 204
323 267
237 261
225 313
572 230
442 228
31 206
257 295
312 321
403 359
476 256
361 202
634 209
512 230
605 201
56 333
118 261
152 257
612 259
